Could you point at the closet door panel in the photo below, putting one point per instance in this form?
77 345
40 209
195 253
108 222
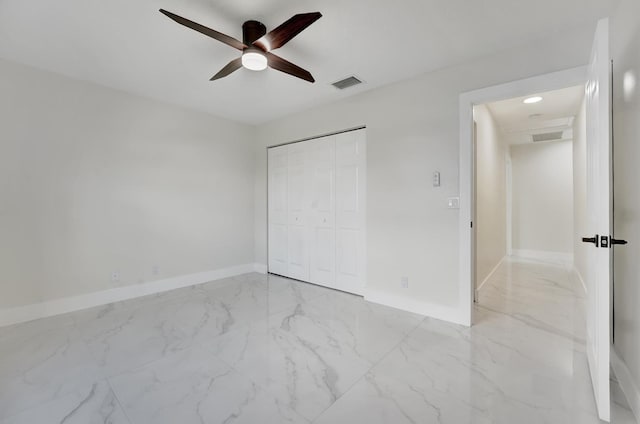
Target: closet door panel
350 211
278 251
323 258
298 253
277 210
322 214
298 211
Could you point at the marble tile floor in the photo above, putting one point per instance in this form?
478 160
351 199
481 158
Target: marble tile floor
265 349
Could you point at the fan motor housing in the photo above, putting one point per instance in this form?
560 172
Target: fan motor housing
251 31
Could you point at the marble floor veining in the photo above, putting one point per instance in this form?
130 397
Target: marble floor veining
265 349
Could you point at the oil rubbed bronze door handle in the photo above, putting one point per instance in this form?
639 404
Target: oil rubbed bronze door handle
595 240
613 241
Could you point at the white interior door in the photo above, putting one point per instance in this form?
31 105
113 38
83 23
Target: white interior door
350 210
278 250
598 99
322 215
297 214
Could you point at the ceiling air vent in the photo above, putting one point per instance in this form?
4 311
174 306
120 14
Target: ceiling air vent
346 83
550 136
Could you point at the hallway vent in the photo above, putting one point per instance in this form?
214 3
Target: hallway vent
346 83
551 136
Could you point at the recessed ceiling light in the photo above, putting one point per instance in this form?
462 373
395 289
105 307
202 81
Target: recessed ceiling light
534 99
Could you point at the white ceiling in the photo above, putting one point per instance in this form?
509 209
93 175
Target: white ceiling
130 46
556 112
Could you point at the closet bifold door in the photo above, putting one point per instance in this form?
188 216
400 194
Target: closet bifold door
316 209
298 211
350 211
277 210
322 215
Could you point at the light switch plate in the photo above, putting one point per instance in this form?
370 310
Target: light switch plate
453 203
404 282
436 179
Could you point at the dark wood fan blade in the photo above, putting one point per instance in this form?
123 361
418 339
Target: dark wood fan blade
206 31
232 66
285 32
278 63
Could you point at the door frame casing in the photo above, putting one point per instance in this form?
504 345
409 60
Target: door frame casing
538 84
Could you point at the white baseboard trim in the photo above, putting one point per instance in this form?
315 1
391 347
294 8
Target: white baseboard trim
444 313
556 258
628 386
75 303
493 271
260 268
584 285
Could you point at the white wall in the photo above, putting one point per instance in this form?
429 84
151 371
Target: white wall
413 130
93 180
580 191
542 197
626 59
491 201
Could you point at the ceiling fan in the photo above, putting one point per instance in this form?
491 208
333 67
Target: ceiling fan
256 45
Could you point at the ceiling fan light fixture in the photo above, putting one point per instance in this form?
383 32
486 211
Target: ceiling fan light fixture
254 61
256 44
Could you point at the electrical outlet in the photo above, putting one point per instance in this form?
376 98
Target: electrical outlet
155 270
404 282
115 276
